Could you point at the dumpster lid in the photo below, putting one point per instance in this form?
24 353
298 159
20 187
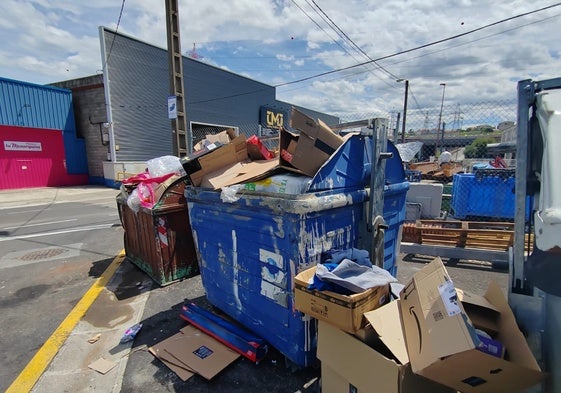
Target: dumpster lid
350 166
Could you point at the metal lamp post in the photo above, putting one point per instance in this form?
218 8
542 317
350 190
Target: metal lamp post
404 108
439 130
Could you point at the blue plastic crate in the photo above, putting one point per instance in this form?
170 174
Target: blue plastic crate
483 196
413 176
249 252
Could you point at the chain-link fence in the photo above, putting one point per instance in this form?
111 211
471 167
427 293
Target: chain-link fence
460 159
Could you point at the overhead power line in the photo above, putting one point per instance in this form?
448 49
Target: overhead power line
421 46
353 43
115 35
326 33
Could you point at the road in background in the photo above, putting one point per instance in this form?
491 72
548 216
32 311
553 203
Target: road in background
54 243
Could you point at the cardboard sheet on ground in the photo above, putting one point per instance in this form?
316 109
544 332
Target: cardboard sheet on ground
180 369
191 350
102 366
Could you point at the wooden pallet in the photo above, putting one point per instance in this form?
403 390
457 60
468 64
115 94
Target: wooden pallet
498 236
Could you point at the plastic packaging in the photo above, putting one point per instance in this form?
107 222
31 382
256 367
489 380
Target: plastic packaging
228 194
131 333
133 201
281 184
161 166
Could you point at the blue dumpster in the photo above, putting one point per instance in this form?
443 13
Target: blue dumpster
249 252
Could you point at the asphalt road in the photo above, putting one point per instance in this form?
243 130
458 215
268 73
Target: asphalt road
50 254
51 251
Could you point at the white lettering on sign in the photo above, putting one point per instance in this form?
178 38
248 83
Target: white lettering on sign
22 146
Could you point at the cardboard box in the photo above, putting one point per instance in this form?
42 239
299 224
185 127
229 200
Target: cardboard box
442 342
316 143
231 172
480 311
222 138
345 312
213 158
351 365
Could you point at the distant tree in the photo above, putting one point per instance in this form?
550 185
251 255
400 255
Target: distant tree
478 148
481 128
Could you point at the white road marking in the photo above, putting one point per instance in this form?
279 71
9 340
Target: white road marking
79 229
42 223
22 212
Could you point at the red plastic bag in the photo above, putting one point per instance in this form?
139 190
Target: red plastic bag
145 184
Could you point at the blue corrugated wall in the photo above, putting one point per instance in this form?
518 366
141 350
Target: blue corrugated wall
29 105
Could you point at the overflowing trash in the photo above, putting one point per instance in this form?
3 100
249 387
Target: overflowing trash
144 189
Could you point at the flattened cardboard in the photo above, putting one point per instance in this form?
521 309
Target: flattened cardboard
249 171
240 172
199 166
180 369
349 365
102 366
201 353
442 346
192 351
345 312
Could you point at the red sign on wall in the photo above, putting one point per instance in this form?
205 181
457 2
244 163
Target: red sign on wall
34 157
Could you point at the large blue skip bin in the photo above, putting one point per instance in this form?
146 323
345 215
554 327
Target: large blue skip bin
249 252
482 196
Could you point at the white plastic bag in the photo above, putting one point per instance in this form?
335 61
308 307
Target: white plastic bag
228 194
163 165
133 201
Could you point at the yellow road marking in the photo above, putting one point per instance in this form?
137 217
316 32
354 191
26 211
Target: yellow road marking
31 373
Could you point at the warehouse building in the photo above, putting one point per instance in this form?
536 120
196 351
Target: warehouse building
40 143
102 128
123 112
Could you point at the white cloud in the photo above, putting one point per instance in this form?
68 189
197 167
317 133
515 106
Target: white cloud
275 42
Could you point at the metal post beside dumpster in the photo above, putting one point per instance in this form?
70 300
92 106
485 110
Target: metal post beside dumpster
159 240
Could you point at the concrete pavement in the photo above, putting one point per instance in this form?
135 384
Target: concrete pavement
93 329
96 337
129 296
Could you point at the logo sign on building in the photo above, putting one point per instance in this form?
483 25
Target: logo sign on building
271 118
172 107
22 146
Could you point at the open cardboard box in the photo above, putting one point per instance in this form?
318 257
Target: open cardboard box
218 166
377 363
344 311
214 157
441 338
222 138
313 147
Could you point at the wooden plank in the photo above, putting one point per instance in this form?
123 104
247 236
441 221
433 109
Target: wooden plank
474 234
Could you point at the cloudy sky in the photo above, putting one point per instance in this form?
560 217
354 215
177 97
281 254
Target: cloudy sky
283 41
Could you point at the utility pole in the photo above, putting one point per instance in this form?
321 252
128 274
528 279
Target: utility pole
180 145
404 111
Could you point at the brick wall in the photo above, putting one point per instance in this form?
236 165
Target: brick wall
89 110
